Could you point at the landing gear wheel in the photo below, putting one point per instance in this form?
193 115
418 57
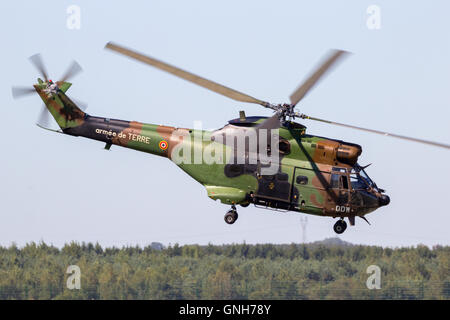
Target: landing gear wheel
231 217
340 226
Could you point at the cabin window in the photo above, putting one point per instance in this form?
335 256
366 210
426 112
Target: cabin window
284 146
282 176
269 150
302 180
235 168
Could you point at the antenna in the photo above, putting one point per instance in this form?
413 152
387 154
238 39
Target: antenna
304 222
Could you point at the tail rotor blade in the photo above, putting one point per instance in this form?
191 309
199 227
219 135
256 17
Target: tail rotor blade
71 71
36 60
19 92
44 119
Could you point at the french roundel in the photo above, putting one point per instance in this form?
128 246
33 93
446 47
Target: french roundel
163 145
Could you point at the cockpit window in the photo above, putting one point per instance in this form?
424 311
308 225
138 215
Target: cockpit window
359 178
366 177
344 182
357 183
335 181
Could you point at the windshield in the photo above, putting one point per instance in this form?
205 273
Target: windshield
359 178
357 182
366 177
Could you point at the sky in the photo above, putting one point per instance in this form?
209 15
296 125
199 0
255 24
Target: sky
58 188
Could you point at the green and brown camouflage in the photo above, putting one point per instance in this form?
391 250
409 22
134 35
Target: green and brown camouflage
310 174
316 175
63 110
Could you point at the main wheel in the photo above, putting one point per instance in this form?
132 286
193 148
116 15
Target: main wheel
340 226
231 216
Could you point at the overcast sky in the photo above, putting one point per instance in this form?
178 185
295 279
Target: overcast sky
60 188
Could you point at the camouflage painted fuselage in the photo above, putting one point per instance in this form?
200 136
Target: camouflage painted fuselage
313 174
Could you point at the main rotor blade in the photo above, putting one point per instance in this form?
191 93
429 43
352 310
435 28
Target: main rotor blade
437 144
19 92
309 83
205 83
270 123
71 71
36 60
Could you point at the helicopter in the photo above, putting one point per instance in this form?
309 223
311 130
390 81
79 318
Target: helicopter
276 166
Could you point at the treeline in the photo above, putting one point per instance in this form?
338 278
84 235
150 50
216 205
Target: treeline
238 271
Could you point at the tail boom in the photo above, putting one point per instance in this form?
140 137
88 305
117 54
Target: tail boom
149 138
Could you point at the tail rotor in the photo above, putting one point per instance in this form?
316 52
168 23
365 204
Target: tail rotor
53 87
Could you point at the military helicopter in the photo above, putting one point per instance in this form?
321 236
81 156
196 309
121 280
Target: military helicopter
309 174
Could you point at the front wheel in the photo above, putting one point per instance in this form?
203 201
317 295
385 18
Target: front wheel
340 226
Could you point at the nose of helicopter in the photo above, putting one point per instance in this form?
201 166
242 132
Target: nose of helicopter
384 200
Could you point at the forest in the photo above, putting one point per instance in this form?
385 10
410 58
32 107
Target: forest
236 271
